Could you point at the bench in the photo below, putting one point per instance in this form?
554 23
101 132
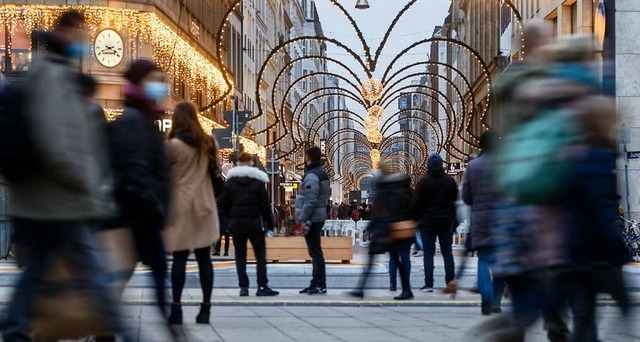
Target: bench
281 249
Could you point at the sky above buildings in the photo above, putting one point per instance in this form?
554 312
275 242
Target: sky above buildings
416 24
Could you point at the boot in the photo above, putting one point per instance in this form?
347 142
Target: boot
175 317
405 295
486 308
205 312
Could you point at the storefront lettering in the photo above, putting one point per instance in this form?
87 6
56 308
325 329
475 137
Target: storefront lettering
163 125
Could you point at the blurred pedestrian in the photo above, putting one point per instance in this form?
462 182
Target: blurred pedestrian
54 206
142 175
224 233
434 205
391 208
193 218
481 194
310 211
247 205
288 219
334 211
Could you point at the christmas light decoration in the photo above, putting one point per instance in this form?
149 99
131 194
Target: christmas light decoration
175 55
372 89
375 157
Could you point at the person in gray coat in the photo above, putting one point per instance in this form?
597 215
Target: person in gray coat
54 206
479 192
311 211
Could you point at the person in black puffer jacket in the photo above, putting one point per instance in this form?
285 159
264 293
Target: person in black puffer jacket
246 203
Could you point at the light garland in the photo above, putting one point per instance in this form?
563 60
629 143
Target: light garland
174 54
375 158
372 89
376 112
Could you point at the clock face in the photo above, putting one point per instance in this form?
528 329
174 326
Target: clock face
108 48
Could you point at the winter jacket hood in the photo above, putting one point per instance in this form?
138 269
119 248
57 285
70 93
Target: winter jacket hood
246 202
249 172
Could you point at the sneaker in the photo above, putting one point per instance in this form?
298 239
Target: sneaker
244 292
215 253
426 288
393 288
305 290
485 308
317 290
496 310
417 254
265 291
226 254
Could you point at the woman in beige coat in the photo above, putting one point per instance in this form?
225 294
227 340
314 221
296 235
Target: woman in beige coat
193 219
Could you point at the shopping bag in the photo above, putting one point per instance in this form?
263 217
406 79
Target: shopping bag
65 309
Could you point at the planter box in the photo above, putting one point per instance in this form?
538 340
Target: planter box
295 249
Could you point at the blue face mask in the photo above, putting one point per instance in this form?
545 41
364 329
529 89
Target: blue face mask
156 91
77 50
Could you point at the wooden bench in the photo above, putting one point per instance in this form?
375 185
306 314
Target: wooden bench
295 249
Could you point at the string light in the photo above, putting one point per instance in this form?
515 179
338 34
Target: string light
372 89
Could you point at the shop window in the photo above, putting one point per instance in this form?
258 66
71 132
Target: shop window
15 49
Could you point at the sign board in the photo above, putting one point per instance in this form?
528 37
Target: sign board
453 167
223 136
633 155
241 115
164 125
323 146
273 164
289 185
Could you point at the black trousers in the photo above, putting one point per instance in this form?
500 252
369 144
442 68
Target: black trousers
150 248
258 242
317 257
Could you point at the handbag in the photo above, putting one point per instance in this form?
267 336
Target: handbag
403 230
216 178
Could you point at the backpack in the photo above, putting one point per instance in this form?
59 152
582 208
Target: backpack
17 149
533 165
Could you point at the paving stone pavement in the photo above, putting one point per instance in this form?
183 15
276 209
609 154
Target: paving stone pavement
352 324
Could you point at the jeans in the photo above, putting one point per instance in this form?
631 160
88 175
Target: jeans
439 229
403 256
491 289
259 244
315 252
67 241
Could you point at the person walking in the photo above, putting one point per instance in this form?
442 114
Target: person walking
392 206
481 194
311 212
247 205
224 232
54 205
141 171
193 217
434 205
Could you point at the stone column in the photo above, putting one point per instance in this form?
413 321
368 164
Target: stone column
627 61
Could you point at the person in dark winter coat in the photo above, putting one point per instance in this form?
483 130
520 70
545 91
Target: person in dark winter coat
434 205
391 205
141 170
480 193
246 202
312 213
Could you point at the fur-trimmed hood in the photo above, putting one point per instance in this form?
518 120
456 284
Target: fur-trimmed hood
248 172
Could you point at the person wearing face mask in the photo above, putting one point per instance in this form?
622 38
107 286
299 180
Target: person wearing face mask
54 207
141 171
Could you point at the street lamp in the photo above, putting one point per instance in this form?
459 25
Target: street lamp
362 4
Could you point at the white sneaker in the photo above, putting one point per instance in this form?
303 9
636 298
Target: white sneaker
427 289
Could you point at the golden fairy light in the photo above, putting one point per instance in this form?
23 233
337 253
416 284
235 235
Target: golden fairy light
376 112
375 157
372 89
173 53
